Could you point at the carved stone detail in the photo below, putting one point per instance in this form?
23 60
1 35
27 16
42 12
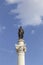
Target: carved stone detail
20 48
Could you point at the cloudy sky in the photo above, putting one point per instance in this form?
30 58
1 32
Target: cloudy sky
29 14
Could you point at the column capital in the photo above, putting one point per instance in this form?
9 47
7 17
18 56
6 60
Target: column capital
20 48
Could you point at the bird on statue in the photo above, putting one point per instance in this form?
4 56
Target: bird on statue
20 32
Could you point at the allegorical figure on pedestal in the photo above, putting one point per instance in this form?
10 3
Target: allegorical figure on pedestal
20 32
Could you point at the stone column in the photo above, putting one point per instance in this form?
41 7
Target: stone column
21 49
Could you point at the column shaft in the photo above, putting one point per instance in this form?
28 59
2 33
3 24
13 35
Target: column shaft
21 58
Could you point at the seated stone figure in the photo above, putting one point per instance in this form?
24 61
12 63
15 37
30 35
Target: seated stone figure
20 32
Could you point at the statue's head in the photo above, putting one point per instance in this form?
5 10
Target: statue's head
20 27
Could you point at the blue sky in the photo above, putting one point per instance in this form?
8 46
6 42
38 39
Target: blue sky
29 14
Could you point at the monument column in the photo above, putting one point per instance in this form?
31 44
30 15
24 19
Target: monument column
21 48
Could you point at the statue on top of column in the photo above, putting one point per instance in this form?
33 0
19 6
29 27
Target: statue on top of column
20 32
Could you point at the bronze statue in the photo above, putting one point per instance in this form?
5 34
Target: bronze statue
20 32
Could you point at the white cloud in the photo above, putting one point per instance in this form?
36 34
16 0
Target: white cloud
2 28
11 1
30 11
